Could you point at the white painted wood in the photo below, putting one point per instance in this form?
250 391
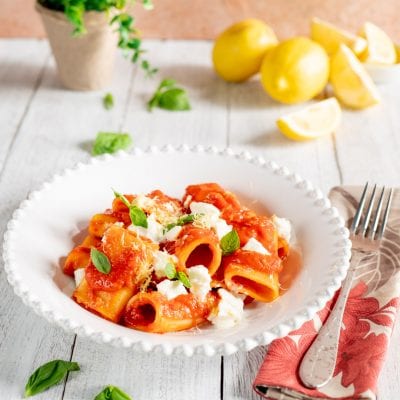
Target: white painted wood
143 376
51 128
53 135
21 70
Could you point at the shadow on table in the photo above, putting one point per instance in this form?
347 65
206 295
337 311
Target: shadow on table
203 81
271 138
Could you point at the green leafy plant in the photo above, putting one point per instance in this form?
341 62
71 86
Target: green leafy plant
48 375
170 97
112 393
230 242
110 142
124 24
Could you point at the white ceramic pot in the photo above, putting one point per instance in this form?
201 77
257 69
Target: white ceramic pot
85 62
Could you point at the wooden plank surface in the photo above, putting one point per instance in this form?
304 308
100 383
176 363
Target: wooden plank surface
47 128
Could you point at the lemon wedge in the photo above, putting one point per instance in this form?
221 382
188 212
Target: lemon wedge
380 49
350 81
312 122
330 37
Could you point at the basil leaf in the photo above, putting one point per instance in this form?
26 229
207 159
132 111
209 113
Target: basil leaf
230 242
147 4
184 279
167 83
109 142
138 217
48 375
170 271
175 99
122 198
100 261
108 101
186 219
112 393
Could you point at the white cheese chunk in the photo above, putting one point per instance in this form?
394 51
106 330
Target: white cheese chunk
171 289
172 234
222 228
154 230
254 245
229 311
283 226
160 261
79 274
208 214
200 281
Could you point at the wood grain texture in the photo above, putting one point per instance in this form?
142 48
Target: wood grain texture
53 128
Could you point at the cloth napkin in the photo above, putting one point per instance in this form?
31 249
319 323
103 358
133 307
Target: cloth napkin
367 325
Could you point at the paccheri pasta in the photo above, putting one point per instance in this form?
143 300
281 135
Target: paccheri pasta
159 264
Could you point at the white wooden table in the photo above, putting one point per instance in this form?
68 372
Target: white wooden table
44 128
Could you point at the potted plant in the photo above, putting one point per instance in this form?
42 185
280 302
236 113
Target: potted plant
83 35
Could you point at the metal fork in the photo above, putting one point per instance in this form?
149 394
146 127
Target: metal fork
319 362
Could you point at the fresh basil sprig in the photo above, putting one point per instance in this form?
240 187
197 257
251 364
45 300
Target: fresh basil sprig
173 274
186 219
110 142
136 214
112 393
169 97
108 101
230 242
48 375
100 261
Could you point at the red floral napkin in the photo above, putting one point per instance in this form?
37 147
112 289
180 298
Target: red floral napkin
367 325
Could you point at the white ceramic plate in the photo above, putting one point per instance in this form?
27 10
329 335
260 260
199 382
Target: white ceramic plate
41 233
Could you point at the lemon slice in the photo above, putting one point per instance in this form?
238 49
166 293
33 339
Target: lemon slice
330 37
350 81
380 49
312 122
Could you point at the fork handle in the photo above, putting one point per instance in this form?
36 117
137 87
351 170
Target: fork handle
318 364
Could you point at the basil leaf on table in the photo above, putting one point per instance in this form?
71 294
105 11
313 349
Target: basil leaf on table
112 393
100 261
169 97
110 142
230 242
108 101
48 375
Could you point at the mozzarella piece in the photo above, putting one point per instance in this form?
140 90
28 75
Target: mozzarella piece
200 281
222 228
254 245
79 274
171 289
229 312
154 230
283 226
172 234
208 214
160 261
209 217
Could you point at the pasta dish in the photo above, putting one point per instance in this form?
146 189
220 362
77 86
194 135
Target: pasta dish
159 264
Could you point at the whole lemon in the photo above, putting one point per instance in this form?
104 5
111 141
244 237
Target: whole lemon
239 50
294 71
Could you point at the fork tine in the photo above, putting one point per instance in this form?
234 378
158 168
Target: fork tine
369 212
386 215
377 214
357 216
